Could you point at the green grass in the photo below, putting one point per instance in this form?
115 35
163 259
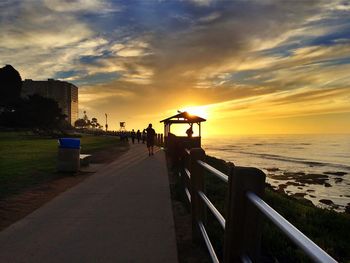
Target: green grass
328 229
27 159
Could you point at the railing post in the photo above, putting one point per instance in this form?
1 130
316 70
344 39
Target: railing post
161 139
197 184
242 235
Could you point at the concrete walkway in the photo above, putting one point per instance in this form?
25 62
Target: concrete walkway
120 214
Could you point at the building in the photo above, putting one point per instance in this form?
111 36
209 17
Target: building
65 93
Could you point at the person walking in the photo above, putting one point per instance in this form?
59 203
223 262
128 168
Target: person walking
151 133
133 135
144 135
138 136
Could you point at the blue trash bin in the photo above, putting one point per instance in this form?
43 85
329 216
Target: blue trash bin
68 155
69 143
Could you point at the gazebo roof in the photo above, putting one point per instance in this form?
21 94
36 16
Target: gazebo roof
183 117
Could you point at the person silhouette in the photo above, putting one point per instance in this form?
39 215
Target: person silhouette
189 131
138 136
144 135
133 134
151 133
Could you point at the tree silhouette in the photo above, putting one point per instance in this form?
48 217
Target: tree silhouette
10 86
35 112
80 123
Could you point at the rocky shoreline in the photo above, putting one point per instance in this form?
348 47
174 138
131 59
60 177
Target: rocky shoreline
290 182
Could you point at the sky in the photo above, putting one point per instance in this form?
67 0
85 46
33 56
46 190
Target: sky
248 66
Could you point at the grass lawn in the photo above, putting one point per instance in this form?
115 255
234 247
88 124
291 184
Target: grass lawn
27 160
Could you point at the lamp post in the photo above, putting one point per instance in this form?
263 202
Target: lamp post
106 122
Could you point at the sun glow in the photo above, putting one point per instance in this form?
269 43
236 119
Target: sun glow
201 111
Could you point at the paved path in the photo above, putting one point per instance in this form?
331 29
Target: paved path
120 214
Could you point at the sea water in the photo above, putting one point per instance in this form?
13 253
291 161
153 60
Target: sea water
286 159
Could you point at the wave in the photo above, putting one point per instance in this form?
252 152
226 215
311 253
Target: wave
296 160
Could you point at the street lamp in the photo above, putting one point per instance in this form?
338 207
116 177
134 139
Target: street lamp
106 122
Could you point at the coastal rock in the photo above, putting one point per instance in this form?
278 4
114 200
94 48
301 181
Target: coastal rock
301 178
293 174
312 179
272 169
336 173
281 188
347 208
327 185
326 202
295 184
299 195
338 180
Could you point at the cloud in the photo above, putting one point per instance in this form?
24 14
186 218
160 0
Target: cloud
90 6
243 57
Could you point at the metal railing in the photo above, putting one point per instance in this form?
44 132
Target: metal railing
242 227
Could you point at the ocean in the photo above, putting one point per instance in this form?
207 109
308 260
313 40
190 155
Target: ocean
316 167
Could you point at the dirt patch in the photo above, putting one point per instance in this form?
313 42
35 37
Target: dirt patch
15 207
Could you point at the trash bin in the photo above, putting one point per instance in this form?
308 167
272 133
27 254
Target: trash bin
68 155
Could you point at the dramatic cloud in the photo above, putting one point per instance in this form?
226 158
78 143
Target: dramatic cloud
144 59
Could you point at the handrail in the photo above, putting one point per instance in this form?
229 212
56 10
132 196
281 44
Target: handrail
213 209
188 173
216 172
302 241
207 241
245 259
188 194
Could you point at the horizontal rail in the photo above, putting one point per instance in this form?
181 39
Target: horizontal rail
213 209
245 259
302 241
214 171
210 248
188 173
187 151
188 194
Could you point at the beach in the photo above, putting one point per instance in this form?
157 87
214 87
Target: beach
314 167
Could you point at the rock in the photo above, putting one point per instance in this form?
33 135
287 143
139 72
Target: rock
281 187
295 184
310 190
299 194
326 202
294 174
338 180
273 169
347 209
336 173
327 185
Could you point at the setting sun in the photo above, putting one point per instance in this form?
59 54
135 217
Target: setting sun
201 111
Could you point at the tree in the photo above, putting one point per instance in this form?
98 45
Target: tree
35 112
80 123
10 87
94 123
